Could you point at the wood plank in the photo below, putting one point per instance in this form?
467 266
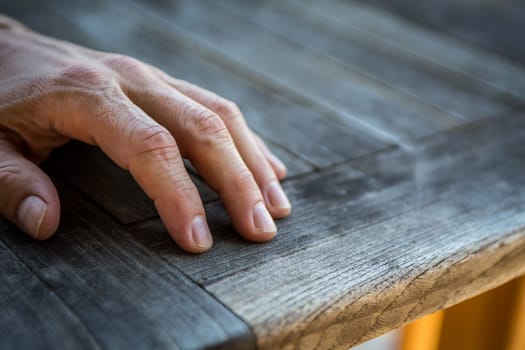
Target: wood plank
123 294
349 97
383 29
305 133
31 315
369 250
491 24
308 30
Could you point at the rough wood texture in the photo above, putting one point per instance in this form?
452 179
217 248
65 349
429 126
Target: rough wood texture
31 315
380 28
113 292
339 44
492 24
403 236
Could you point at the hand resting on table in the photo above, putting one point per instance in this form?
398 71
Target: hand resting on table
146 121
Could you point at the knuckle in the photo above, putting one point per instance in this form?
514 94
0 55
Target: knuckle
107 112
9 173
124 63
228 110
209 127
164 99
209 123
158 150
156 143
242 179
86 76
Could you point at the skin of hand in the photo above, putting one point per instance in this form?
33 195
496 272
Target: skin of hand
146 121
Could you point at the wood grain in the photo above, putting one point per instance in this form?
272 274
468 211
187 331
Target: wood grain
122 294
31 314
353 51
401 235
490 24
384 29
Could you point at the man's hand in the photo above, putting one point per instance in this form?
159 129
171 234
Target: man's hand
146 121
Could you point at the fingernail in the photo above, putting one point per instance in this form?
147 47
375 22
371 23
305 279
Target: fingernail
262 219
276 196
200 232
31 213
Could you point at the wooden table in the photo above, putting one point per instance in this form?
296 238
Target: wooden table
406 155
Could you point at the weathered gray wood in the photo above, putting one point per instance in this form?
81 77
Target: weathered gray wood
372 247
31 315
349 97
111 187
304 28
491 24
124 295
401 37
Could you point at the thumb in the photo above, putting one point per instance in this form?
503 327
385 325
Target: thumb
28 198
